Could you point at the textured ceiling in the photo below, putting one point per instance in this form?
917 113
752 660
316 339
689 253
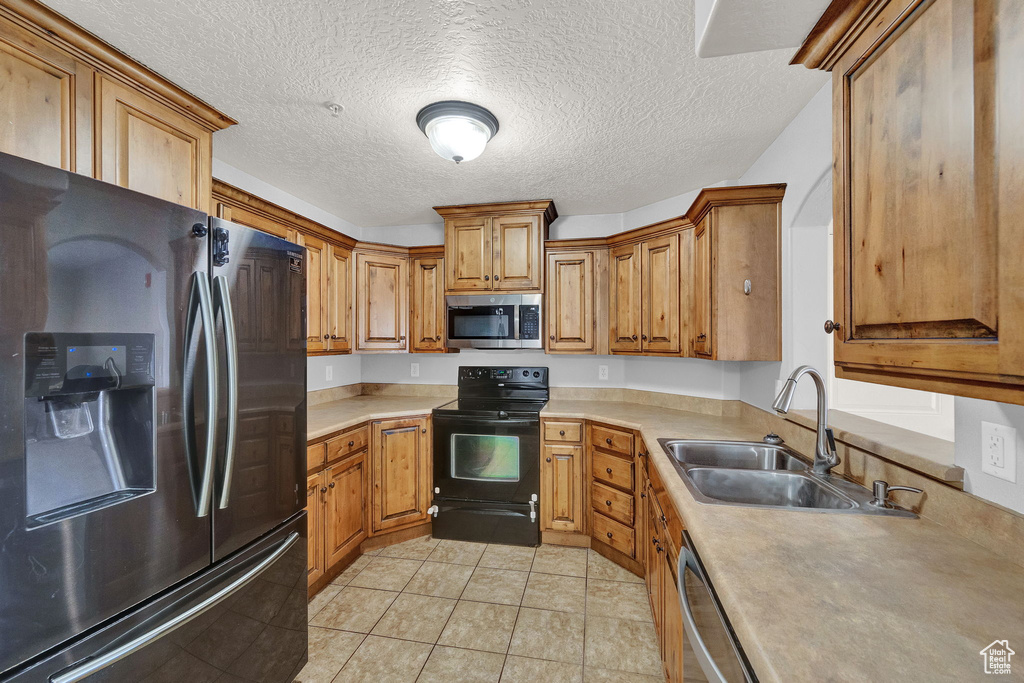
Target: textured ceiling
603 105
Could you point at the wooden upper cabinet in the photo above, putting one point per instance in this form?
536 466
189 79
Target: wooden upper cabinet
625 306
737 273
382 285
427 317
577 292
495 246
339 299
927 123
467 246
317 336
401 473
659 266
148 147
73 101
516 247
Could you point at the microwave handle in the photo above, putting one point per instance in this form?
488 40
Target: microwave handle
515 319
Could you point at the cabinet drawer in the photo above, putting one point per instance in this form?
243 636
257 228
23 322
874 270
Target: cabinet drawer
618 536
563 431
611 502
613 470
284 424
350 442
316 456
612 440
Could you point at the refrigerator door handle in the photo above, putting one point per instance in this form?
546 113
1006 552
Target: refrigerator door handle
222 307
200 305
105 659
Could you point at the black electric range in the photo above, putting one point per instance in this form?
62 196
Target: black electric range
487 456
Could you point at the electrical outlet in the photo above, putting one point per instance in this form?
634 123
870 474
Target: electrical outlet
329 373
414 369
999 451
602 372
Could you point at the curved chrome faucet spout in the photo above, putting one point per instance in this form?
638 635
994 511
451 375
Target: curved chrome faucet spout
825 456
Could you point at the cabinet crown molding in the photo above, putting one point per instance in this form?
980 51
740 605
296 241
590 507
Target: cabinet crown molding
736 195
545 206
839 26
87 47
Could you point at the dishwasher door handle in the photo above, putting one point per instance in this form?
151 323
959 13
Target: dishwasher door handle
688 565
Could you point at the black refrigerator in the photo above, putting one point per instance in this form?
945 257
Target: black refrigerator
152 438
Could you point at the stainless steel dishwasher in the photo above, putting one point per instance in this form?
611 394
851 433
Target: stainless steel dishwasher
710 642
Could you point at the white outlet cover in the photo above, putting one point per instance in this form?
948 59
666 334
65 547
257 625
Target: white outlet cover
999 451
602 372
414 369
329 372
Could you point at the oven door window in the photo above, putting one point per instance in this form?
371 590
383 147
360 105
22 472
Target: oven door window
481 322
485 457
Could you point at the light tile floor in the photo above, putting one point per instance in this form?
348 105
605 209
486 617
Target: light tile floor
448 611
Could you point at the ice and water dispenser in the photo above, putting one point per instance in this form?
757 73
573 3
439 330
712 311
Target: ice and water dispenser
89 422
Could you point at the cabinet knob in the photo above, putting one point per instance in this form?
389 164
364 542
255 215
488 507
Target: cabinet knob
643 495
561 432
552 337
487 278
424 430
331 485
326 336
402 338
634 337
660 549
701 336
351 444
549 459
496 278
609 534
830 327
644 337
608 441
608 470
608 503
334 336
323 489
437 339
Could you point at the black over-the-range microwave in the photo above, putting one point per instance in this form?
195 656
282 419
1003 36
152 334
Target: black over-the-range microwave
500 321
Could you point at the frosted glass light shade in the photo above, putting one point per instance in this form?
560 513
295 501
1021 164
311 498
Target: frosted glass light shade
458 131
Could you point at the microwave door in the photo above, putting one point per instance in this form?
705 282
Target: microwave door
482 326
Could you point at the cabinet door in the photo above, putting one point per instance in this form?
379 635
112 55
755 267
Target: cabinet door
659 331
624 311
571 302
517 253
382 305
400 472
655 565
345 518
46 102
671 622
428 312
339 299
148 147
467 248
702 307
916 241
317 337
561 488
315 490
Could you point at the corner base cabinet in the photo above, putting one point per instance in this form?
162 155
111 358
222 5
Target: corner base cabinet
401 473
928 125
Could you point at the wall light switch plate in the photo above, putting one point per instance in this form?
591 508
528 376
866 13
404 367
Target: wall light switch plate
602 372
329 373
999 451
414 369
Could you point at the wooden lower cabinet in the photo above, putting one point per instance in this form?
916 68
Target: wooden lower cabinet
401 473
345 526
316 492
561 488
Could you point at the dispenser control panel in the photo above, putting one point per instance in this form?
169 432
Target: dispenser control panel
60 363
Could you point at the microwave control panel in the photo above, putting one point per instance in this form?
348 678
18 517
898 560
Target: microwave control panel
529 322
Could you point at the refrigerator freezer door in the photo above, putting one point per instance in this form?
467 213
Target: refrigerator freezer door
258 285
98 514
241 620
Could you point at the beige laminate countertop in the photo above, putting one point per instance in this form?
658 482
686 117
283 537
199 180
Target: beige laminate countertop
326 418
834 597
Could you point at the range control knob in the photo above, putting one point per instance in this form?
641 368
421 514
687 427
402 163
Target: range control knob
536 374
526 373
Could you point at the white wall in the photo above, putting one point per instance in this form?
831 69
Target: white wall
969 415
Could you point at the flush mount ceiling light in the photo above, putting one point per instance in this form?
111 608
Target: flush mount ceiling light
458 131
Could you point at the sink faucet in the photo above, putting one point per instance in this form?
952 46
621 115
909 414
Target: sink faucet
825 456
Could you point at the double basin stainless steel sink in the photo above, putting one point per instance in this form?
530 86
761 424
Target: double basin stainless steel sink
755 474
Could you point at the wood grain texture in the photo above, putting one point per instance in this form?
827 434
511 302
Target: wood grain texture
624 299
346 507
561 489
340 279
400 472
571 303
315 491
427 319
516 249
660 313
382 285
